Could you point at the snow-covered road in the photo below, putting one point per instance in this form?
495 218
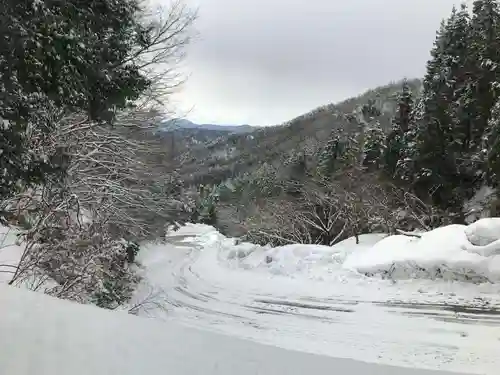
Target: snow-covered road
305 298
42 335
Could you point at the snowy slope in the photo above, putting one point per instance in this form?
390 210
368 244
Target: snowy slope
317 299
45 336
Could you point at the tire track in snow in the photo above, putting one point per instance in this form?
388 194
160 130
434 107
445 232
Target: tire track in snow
202 290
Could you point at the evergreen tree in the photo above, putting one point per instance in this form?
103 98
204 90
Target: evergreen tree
438 135
404 113
401 123
370 136
374 146
485 60
484 90
297 170
329 155
491 147
57 57
206 211
370 111
458 70
408 153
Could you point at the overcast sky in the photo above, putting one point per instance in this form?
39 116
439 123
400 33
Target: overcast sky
263 62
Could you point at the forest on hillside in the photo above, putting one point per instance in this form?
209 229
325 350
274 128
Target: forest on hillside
440 149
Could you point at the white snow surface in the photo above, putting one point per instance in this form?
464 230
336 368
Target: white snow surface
426 302
42 335
484 231
10 253
443 252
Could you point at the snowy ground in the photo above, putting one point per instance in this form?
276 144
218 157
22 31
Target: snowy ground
10 253
45 336
430 302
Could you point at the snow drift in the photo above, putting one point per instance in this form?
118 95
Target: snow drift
454 252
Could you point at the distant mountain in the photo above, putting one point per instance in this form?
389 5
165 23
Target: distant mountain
175 124
229 155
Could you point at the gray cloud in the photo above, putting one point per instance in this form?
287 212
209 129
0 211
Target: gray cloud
266 61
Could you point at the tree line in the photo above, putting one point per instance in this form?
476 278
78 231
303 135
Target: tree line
444 142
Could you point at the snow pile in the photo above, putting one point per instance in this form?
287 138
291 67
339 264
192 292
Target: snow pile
483 232
447 252
314 261
454 252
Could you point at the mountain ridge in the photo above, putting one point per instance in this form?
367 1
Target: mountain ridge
179 123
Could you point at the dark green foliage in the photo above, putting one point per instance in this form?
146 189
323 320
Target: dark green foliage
486 46
205 211
329 157
432 144
369 139
491 147
484 60
57 57
399 137
132 249
445 148
119 282
404 113
374 146
209 215
370 111
296 166
436 170
76 53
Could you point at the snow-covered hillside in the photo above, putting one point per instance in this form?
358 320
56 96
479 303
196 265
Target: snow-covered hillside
416 302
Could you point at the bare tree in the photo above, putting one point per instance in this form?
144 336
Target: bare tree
327 212
116 181
171 30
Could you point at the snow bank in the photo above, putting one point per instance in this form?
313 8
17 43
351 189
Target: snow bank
445 252
483 232
454 252
314 261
